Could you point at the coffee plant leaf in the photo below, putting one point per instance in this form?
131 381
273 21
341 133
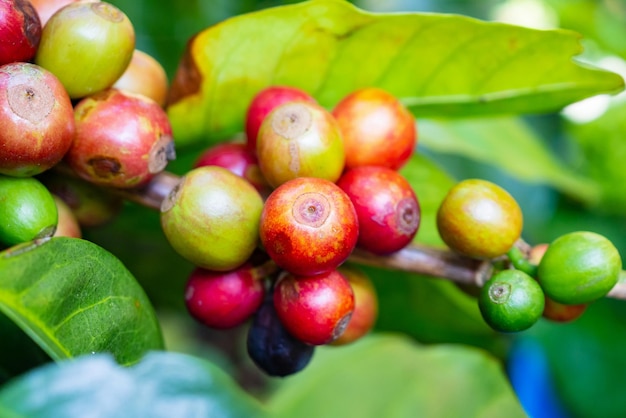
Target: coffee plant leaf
416 381
509 144
162 384
72 297
437 64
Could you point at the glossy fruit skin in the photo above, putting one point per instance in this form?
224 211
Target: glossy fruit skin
91 205
479 219
211 218
314 309
144 75
365 305
36 120
300 139
238 158
387 208
20 31
377 129
46 8
555 311
223 300
67 225
272 348
511 301
27 210
579 267
264 102
122 139
308 226
102 44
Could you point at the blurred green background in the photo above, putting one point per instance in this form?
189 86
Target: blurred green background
583 360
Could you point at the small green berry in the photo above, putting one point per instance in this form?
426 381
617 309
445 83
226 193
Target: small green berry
27 210
579 267
511 301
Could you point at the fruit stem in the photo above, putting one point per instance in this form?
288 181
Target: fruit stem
520 262
415 258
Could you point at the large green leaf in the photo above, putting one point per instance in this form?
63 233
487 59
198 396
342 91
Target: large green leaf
437 64
390 377
72 297
509 144
161 385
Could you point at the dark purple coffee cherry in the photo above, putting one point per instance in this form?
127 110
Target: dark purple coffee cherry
272 348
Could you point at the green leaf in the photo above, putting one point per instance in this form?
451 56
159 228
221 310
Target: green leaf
72 297
510 145
430 183
444 65
161 385
603 152
392 377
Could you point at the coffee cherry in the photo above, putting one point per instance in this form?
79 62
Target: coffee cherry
91 205
238 158
314 309
365 305
27 210
479 219
511 301
20 31
122 139
308 226
555 311
67 225
264 102
87 45
146 76
377 129
579 267
211 218
36 120
300 139
272 348
386 206
223 299
46 8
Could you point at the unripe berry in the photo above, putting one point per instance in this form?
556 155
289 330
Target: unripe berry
264 102
300 139
479 219
211 218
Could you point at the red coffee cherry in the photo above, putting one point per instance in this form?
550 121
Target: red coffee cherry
377 129
386 205
223 299
365 305
308 226
314 309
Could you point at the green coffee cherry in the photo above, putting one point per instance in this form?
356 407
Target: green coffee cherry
579 267
27 210
511 301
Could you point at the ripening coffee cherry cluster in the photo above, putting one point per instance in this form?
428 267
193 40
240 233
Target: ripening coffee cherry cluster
557 281
75 94
306 187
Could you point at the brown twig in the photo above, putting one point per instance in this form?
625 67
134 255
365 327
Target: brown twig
415 258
